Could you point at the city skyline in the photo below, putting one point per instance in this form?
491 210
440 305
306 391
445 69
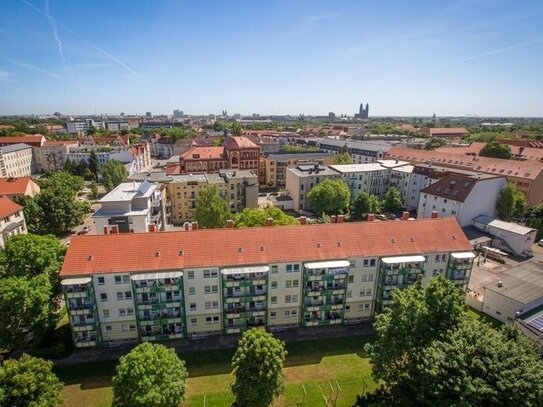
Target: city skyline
311 58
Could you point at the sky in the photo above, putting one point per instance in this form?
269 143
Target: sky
404 58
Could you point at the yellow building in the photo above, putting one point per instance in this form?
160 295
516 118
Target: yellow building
273 168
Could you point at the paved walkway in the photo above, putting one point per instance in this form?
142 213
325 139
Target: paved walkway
214 342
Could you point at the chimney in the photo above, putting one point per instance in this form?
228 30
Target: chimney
230 224
371 217
340 218
333 219
186 226
195 226
106 230
269 222
405 215
434 214
302 220
114 230
152 228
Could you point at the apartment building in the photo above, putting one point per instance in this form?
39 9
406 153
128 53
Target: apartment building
132 207
461 197
18 187
445 132
12 220
52 155
239 188
274 166
362 152
185 284
526 175
301 179
32 140
16 160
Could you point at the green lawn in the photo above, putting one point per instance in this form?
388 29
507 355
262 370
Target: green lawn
313 364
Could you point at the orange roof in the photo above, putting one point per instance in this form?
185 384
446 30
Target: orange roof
204 153
31 140
8 207
474 148
14 186
239 142
529 169
433 131
59 142
133 252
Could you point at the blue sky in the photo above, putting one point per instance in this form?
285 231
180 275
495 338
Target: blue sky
482 57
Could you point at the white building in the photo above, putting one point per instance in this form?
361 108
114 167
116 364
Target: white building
12 220
461 197
16 161
132 207
508 236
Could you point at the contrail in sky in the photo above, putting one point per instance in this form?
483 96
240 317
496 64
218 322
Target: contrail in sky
55 34
458 61
100 50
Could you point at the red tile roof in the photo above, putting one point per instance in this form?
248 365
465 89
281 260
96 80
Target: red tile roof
8 207
454 187
238 142
445 131
14 186
529 169
133 252
205 153
528 153
59 142
31 140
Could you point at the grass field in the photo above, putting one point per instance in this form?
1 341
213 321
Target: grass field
313 364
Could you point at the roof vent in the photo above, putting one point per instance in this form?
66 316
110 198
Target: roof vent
318 245
338 244
90 258
454 237
500 283
412 239
393 240
240 249
180 252
262 248
157 254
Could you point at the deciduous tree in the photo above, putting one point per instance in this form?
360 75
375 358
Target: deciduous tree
113 173
330 197
393 200
535 220
258 369
150 375
29 381
435 142
364 204
496 150
259 216
94 165
211 210
343 158
511 202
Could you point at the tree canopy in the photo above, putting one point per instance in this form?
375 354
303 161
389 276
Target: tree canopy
258 369
94 165
258 217
435 142
343 158
211 210
113 173
330 197
393 200
428 352
496 150
150 375
535 220
511 203
364 204
236 129
29 381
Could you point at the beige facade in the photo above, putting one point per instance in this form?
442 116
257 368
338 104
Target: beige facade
274 166
52 155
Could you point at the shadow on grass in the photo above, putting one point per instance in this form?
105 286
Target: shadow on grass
215 362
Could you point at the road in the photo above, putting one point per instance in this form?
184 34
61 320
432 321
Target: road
88 222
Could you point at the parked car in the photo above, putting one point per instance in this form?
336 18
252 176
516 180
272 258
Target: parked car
381 216
540 243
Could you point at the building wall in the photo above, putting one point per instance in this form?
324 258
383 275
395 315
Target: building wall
474 206
12 225
18 163
299 186
500 307
275 167
203 303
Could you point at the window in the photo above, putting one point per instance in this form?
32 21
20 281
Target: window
434 272
443 257
124 328
438 257
372 262
274 285
295 298
128 295
287 313
273 314
103 297
192 290
214 289
347 308
192 306
193 321
352 263
207 289
120 296
351 279
288 299
190 274
363 307
293 268
273 300
288 284
215 304
209 320
118 279
126 279
122 312
208 305
370 277
274 269
105 313
295 283
132 327
207 274
130 312
349 294
214 273
101 281
109 328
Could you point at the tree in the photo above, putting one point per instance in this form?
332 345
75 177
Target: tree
330 197
496 150
150 375
343 158
511 202
33 213
94 190
258 369
535 220
259 216
113 173
94 166
364 204
25 306
236 129
29 381
435 142
393 201
218 142
211 210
